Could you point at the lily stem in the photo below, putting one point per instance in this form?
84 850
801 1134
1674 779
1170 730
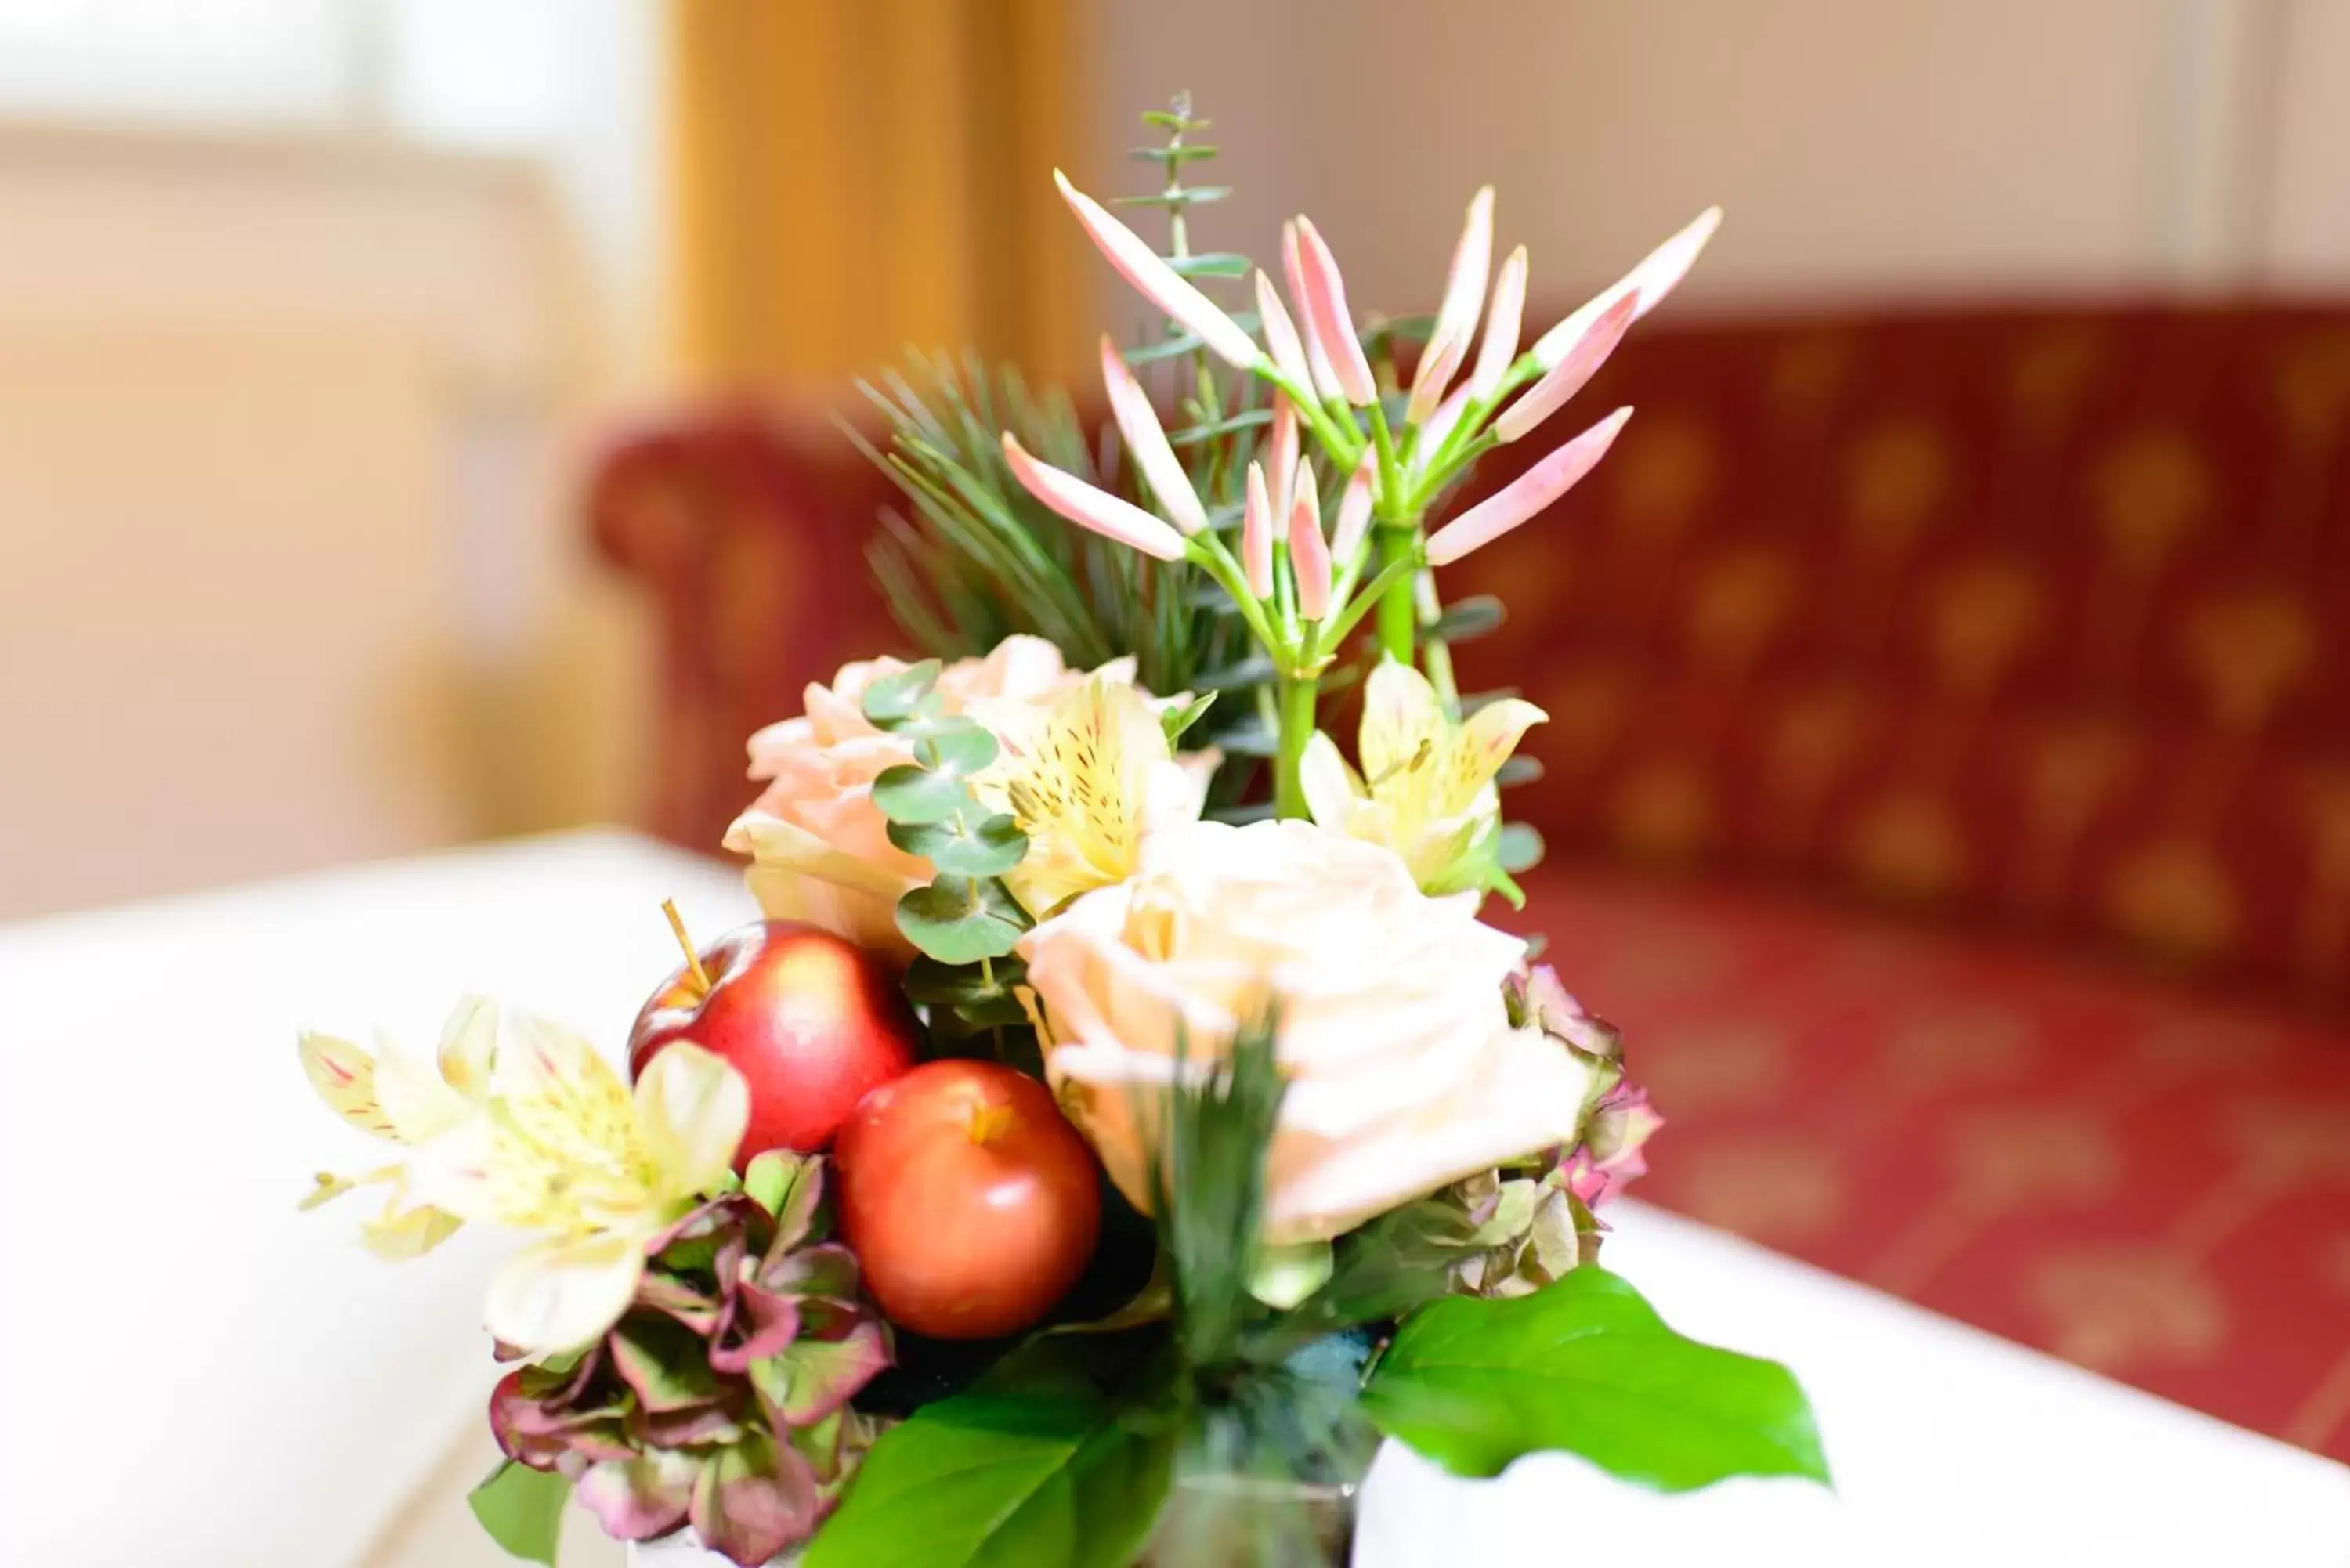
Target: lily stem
1399 616
1297 699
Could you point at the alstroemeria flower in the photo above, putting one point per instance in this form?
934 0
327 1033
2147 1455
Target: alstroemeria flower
1087 779
393 1098
1426 788
820 847
568 1148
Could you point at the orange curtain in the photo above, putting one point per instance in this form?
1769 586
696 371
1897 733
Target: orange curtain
851 177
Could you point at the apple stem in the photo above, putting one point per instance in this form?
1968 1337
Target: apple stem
692 959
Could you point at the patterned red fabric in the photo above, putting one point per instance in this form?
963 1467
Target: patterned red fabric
749 529
2154 1188
2030 622
2033 620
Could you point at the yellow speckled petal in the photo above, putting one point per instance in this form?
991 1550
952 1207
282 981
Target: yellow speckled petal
1486 741
415 1100
344 1076
560 1295
401 1232
469 1044
556 1093
692 1108
1403 723
1331 786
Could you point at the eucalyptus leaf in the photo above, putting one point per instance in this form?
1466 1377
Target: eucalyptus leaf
904 694
907 792
1520 769
961 750
1465 621
1585 1365
1046 1464
521 1508
1210 264
1519 849
961 920
955 985
989 850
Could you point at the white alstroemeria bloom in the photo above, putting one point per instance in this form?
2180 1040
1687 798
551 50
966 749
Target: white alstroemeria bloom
1087 778
1426 788
567 1148
394 1097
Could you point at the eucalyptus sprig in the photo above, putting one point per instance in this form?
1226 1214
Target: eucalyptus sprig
965 922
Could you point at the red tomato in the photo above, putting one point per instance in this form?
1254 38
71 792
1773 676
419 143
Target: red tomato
971 1203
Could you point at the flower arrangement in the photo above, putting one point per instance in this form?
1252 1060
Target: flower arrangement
1121 1088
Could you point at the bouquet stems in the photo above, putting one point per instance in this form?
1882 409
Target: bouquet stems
1297 699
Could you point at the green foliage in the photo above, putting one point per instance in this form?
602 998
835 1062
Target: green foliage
965 920
1058 1459
974 558
1208 1170
1586 1365
521 1508
961 920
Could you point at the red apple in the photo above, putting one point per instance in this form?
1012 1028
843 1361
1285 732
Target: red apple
971 1203
813 1023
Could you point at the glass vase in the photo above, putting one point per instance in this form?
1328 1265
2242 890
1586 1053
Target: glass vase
1220 1519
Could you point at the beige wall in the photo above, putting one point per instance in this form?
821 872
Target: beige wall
287 574
1862 147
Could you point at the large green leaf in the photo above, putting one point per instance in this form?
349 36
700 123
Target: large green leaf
522 1510
1586 1365
1047 1464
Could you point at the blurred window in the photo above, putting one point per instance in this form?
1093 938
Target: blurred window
493 74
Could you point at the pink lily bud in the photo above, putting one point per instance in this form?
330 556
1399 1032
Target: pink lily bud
1089 507
1501 324
1438 363
1158 282
1566 377
1438 428
1317 359
1648 283
1280 449
1327 317
1309 553
1525 495
1256 535
1354 509
1281 335
1465 284
1146 440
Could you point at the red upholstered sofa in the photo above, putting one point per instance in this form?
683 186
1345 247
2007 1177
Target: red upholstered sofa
1948 782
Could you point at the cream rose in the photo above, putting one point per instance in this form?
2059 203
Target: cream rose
1405 1072
820 848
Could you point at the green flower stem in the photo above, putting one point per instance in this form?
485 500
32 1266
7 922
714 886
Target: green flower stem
1298 695
1398 620
1335 632
1344 447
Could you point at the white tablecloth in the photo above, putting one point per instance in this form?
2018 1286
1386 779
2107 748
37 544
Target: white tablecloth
199 1376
